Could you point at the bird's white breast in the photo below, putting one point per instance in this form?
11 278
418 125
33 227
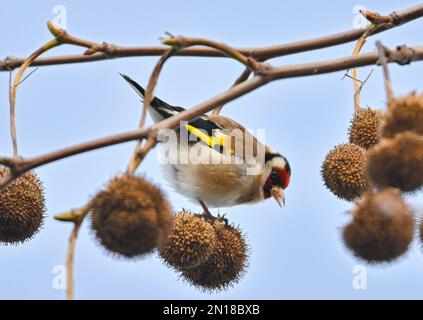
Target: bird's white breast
203 173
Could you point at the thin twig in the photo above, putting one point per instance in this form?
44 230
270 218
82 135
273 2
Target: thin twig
140 152
76 217
359 45
184 42
27 76
69 261
362 83
12 91
263 53
243 77
64 37
275 73
377 19
386 75
346 75
152 82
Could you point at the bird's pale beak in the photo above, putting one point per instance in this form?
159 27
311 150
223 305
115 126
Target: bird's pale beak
279 196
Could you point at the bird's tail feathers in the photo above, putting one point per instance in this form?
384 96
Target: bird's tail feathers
165 109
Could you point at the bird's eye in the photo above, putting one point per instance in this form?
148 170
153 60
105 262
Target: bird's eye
274 174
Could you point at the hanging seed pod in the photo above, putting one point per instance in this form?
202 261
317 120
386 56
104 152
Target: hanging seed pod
365 126
382 227
404 114
226 264
397 162
343 171
191 243
22 208
131 217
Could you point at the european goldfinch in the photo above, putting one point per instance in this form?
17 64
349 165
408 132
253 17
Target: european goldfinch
209 166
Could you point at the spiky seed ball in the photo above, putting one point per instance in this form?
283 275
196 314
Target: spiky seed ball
226 264
404 114
364 130
191 242
131 216
397 162
165 219
22 207
343 171
382 227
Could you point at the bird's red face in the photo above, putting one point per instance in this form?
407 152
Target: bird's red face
278 180
279 177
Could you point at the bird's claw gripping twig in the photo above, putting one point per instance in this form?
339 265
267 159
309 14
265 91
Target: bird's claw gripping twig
206 215
223 219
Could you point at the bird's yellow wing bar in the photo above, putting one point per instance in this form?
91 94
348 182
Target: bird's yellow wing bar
220 139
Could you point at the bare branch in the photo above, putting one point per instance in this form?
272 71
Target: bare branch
383 52
348 62
275 73
70 261
105 51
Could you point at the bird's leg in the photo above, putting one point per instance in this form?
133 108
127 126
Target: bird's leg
208 216
206 213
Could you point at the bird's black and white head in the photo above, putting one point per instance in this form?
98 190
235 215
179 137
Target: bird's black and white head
277 175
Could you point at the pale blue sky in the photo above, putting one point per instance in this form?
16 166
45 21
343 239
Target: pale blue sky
297 251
